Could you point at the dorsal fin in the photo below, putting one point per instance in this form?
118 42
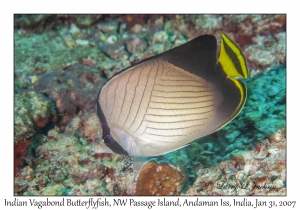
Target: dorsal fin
198 56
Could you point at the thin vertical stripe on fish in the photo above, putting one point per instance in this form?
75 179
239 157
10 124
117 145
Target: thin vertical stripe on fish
171 99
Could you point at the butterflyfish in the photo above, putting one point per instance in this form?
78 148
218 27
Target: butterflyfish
166 101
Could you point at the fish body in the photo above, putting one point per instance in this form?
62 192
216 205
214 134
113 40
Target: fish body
164 102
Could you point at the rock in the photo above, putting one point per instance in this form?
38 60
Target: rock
115 50
159 179
109 27
82 42
263 152
57 189
69 41
160 37
74 30
135 45
32 109
137 28
278 183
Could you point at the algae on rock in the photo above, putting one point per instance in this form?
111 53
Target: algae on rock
31 110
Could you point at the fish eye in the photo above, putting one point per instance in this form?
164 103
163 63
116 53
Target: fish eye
107 139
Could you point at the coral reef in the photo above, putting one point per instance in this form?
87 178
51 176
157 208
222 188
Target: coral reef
67 165
257 172
267 51
86 126
75 89
61 62
40 23
159 179
20 151
32 110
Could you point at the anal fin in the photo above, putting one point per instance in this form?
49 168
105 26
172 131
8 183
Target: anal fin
138 163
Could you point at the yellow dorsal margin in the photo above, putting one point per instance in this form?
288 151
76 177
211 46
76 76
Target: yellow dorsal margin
232 59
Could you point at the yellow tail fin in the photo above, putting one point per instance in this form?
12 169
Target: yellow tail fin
232 59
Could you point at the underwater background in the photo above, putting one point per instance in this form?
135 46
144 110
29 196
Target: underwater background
62 61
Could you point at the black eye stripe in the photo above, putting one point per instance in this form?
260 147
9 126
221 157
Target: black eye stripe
114 145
